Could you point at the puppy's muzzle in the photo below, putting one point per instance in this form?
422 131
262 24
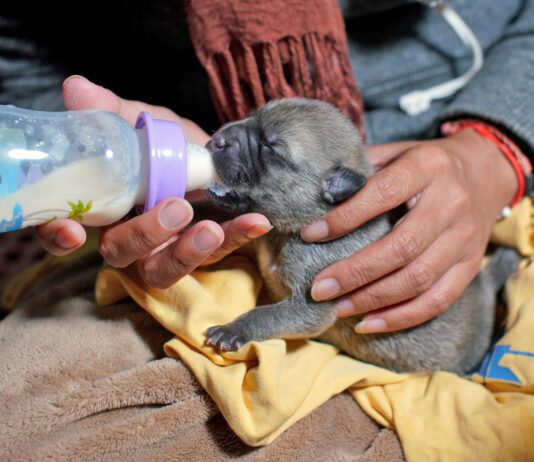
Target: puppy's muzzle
234 149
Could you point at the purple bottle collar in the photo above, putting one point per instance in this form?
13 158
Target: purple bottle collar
167 167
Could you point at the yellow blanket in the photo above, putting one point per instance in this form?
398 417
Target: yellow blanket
265 387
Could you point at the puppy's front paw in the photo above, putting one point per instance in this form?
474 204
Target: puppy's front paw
226 338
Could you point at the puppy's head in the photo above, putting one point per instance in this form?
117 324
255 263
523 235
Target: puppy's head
292 160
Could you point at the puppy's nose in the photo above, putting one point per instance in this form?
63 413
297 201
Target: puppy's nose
229 140
218 143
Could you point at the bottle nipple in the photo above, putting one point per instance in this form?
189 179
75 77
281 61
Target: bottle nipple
200 168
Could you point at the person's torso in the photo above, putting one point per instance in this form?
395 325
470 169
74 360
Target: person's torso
142 50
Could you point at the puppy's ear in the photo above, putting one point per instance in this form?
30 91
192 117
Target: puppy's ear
340 183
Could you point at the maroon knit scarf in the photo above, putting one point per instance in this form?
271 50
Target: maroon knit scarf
255 51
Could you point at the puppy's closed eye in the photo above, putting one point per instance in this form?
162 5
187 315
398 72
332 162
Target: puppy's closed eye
340 183
274 155
270 138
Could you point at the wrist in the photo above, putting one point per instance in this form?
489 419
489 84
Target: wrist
519 162
486 167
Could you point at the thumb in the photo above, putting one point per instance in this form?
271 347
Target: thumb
80 93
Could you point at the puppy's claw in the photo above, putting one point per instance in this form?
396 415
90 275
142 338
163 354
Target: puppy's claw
213 335
225 338
238 343
227 344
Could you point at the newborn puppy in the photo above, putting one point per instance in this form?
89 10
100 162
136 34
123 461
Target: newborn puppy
293 160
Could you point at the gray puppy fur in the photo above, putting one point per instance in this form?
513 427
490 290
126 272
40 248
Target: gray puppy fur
292 161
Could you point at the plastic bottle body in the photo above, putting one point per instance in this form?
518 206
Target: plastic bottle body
84 165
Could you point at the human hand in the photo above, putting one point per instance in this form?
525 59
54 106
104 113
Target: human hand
454 188
151 240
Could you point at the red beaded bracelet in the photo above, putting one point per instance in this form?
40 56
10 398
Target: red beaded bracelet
519 162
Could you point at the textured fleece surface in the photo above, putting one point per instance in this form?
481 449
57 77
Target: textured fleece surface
81 382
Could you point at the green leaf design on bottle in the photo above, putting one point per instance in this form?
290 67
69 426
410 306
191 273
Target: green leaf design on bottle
50 220
77 210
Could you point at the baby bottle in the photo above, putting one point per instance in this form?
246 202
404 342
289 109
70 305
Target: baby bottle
91 166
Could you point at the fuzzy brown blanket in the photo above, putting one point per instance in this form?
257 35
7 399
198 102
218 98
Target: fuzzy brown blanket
82 382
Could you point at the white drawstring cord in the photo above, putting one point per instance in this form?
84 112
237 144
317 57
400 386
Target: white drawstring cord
419 101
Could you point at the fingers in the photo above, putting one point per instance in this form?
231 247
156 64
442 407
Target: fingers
430 304
194 246
382 154
407 283
162 256
239 232
419 229
61 236
123 243
202 244
384 191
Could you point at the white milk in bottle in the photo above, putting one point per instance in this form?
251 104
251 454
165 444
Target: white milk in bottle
91 166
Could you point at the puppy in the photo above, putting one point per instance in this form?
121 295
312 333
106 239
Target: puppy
293 160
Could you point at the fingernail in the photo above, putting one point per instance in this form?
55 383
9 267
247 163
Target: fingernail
205 240
344 307
75 76
175 214
315 231
67 239
258 230
324 289
370 326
